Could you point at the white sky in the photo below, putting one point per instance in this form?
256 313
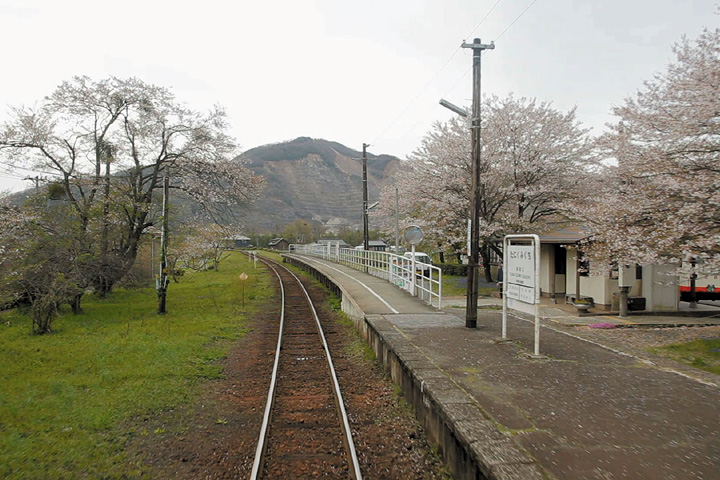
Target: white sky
349 71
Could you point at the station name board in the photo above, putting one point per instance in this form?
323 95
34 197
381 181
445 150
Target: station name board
520 274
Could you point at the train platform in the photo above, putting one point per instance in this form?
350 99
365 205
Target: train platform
582 411
705 313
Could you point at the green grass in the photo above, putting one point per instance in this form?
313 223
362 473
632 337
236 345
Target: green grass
703 354
69 399
455 286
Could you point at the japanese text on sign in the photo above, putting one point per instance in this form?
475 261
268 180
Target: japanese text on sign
524 294
521 265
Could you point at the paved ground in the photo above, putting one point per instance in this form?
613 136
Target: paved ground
705 313
585 411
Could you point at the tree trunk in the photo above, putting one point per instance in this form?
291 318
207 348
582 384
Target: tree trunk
485 255
75 304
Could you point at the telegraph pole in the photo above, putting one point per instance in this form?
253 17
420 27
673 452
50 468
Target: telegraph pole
36 181
164 280
397 222
366 233
477 190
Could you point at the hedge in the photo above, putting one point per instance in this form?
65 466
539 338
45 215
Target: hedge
453 269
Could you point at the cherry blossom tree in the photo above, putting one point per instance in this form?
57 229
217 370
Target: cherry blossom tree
15 229
110 143
38 263
662 206
534 158
203 248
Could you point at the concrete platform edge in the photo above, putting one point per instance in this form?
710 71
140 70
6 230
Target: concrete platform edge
469 443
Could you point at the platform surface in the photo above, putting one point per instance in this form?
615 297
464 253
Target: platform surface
586 411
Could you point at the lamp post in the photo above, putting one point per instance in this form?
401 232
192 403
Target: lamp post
477 169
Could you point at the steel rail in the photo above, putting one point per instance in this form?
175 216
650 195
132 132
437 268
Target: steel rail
349 443
260 451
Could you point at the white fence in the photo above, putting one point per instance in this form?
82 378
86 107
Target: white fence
426 284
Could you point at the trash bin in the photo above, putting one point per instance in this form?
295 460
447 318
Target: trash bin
636 303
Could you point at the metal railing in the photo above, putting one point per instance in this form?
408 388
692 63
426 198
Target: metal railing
426 283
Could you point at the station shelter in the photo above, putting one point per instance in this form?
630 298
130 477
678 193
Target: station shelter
653 288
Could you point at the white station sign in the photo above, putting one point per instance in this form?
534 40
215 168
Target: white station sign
521 283
520 274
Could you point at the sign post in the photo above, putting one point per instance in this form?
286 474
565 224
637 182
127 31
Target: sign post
521 280
243 279
413 235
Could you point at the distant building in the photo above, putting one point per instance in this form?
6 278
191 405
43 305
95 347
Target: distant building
238 241
278 244
377 245
333 242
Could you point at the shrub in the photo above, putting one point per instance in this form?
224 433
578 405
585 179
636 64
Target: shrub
453 269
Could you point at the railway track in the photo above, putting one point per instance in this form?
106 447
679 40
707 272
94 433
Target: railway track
305 431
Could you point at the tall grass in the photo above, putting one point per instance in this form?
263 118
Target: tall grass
67 398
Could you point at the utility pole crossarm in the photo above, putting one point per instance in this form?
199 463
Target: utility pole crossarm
478 45
451 106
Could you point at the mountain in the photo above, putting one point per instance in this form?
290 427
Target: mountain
314 179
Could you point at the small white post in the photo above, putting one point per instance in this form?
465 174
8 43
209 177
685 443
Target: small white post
536 242
439 289
412 272
506 243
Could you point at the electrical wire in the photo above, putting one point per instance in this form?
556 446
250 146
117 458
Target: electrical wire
31 170
516 19
432 79
462 77
469 35
9 174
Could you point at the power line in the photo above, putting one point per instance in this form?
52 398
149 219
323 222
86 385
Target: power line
501 34
462 77
516 19
432 79
469 35
11 175
31 170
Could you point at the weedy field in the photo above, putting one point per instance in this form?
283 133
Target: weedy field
69 400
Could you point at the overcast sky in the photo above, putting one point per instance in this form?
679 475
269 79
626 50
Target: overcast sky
349 71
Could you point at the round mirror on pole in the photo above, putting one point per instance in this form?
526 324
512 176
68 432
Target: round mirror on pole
413 235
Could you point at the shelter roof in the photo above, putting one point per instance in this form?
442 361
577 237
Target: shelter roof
568 234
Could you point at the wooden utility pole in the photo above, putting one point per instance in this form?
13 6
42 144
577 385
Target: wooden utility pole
397 222
36 180
366 233
477 190
164 280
